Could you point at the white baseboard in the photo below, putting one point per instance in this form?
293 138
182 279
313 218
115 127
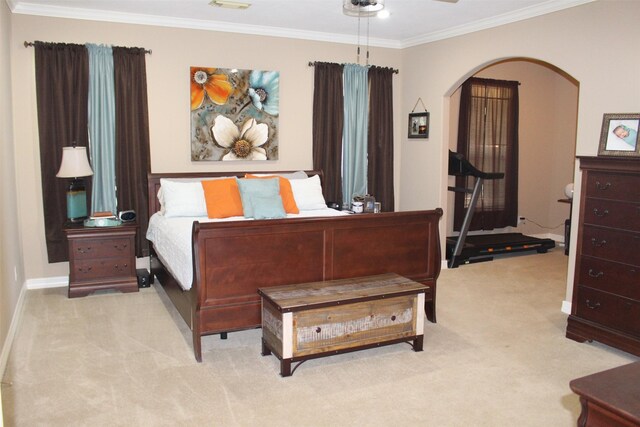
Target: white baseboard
48 282
566 307
11 333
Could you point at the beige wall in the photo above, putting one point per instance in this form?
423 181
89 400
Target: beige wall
584 41
547 139
11 267
174 50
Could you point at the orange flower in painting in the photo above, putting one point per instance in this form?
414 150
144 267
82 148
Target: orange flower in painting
205 81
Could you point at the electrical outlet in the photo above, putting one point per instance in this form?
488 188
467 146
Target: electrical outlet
521 220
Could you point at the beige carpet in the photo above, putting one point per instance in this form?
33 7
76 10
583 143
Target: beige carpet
496 357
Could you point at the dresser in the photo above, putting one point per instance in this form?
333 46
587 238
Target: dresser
606 290
101 258
610 398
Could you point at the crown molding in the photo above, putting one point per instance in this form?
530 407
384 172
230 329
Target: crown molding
21 7
529 12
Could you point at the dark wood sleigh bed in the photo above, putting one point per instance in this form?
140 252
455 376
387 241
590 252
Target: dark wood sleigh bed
231 260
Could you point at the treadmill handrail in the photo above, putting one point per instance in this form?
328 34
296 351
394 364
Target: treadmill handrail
460 166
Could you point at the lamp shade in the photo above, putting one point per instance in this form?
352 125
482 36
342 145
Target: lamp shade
74 163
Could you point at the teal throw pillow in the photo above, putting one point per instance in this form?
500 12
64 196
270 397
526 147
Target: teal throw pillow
270 207
269 188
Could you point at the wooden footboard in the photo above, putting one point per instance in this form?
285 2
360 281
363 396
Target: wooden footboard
233 259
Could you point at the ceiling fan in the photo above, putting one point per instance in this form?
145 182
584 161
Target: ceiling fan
367 8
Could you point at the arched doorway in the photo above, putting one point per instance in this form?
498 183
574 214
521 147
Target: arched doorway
547 129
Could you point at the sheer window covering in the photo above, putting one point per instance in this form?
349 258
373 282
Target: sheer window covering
488 138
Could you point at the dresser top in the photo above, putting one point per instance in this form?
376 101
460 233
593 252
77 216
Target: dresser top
614 164
616 389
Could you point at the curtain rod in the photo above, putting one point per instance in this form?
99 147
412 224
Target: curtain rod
31 44
313 64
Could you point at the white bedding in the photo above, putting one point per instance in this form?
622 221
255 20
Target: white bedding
171 238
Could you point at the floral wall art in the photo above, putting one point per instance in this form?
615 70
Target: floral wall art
234 114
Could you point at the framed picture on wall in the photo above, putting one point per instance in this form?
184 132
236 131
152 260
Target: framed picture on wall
419 125
619 135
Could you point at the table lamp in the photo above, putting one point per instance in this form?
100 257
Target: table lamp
75 165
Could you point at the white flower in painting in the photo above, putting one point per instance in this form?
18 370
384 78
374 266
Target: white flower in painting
243 144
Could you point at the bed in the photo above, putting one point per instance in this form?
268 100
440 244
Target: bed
232 259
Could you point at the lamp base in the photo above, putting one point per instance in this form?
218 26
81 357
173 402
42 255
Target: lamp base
76 201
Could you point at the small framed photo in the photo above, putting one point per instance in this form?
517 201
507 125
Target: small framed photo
419 125
619 135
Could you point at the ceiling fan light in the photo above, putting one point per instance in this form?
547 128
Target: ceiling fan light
362 8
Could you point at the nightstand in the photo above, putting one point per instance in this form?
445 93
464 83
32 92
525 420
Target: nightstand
101 258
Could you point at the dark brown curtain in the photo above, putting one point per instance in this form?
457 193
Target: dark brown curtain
62 85
488 138
132 137
328 120
380 146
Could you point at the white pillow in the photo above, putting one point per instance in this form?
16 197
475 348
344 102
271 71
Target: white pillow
291 175
308 193
182 198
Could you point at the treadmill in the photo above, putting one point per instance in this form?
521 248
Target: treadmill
464 249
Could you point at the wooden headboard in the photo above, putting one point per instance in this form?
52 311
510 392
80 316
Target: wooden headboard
153 181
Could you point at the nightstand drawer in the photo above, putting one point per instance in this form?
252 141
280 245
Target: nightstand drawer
622 314
99 269
612 277
102 258
613 245
612 213
101 248
613 186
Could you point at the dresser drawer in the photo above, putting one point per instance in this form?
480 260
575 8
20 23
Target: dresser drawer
612 245
612 277
613 311
612 213
613 186
102 268
101 248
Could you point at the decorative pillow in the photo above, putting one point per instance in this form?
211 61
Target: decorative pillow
180 187
267 207
222 198
257 187
182 198
288 201
308 193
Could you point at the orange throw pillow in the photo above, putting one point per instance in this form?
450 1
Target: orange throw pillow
222 197
286 193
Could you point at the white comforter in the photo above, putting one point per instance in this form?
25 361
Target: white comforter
171 238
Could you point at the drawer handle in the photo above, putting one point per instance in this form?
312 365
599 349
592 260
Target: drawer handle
120 247
393 318
596 275
602 187
592 306
596 212
123 268
84 251
84 270
318 330
597 243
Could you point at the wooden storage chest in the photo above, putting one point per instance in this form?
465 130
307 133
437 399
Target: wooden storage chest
310 320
